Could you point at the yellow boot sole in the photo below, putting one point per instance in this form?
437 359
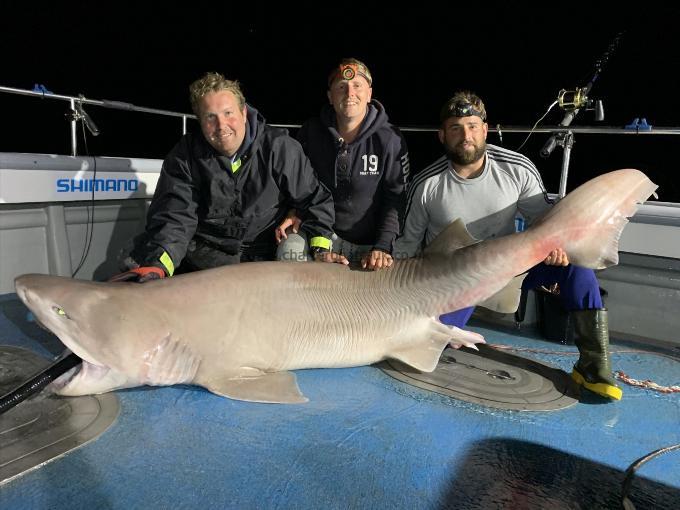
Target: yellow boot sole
602 389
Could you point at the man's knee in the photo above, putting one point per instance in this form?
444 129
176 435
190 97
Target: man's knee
582 279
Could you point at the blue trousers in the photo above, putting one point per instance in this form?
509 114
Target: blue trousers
579 290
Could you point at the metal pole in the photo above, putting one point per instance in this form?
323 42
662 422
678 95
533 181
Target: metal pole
567 144
74 125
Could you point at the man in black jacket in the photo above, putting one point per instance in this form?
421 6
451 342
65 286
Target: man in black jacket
221 195
363 160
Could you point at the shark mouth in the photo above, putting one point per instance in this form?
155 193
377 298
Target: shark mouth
63 380
69 383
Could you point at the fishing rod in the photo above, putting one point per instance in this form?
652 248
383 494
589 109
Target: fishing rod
572 101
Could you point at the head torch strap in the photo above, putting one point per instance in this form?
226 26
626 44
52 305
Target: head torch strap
465 110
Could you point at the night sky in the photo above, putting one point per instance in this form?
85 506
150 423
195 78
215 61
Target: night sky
515 55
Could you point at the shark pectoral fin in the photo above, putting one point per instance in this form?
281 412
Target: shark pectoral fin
452 238
269 387
507 299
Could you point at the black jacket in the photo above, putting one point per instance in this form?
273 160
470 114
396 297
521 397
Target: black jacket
366 176
199 198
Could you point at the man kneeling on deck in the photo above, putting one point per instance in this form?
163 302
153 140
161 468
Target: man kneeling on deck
221 194
486 186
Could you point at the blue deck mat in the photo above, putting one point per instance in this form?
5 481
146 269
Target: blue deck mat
364 440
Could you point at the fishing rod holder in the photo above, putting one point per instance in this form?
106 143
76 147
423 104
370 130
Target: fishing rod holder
571 101
77 113
566 141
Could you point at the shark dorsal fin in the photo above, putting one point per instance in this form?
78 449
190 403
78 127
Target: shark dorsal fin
452 238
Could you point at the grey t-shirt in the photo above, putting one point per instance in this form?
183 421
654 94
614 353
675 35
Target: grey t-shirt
488 204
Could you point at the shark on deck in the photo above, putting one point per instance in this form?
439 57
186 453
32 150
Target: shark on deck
240 330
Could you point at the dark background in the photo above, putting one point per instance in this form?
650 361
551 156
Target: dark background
515 55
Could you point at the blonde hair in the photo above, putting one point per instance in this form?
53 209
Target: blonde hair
214 82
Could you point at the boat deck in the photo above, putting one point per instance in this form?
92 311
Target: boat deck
366 440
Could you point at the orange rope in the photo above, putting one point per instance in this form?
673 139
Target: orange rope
647 384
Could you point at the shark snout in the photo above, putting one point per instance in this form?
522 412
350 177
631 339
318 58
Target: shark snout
29 287
22 291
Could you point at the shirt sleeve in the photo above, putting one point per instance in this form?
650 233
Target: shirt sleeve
533 200
305 193
172 217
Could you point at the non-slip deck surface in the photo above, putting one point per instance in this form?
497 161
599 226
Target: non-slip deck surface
365 440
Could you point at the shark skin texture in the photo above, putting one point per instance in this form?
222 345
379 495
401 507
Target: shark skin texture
240 330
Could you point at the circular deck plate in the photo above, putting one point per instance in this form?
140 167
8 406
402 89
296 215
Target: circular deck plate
44 427
491 378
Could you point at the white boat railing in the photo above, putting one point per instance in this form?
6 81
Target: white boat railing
78 113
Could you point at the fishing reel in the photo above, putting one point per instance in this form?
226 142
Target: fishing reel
572 100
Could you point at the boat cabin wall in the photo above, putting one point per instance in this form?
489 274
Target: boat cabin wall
58 210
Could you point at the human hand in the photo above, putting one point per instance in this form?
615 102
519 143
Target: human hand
557 257
376 259
290 221
139 275
329 256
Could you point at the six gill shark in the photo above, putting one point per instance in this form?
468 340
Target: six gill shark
239 330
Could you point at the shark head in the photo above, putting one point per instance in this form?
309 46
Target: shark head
76 312
111 328
64 308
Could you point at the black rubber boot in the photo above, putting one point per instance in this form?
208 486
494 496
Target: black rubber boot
593 369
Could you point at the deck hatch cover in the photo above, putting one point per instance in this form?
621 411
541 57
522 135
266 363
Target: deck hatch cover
45 427
491 378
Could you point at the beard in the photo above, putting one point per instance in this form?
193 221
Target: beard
460 156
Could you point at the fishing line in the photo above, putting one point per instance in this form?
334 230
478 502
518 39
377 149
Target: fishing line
89 224
537 123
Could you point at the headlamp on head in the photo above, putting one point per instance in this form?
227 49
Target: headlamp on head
465 110
348 72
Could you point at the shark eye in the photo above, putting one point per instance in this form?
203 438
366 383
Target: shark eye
60 311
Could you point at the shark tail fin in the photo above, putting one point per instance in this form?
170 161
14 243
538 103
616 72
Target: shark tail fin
588 222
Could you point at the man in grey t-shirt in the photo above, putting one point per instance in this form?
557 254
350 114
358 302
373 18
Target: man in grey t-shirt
486 187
